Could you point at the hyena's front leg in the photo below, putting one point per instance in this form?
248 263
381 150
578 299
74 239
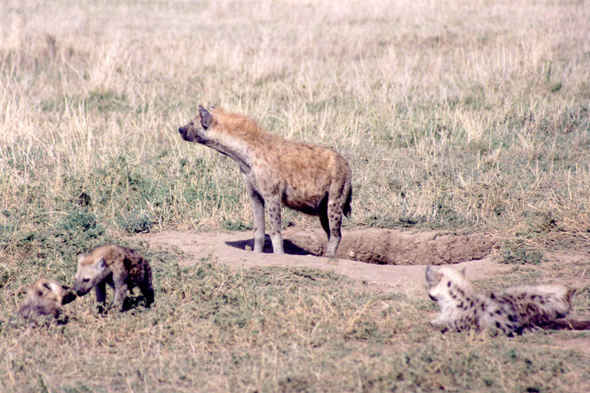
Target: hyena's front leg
273 204
101 295
257 204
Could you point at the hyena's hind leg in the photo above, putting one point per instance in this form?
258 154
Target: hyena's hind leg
338 202
146 287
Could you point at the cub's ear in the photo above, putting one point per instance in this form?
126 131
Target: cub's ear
100 264
81 258
462 271
569 293
432 276
206 118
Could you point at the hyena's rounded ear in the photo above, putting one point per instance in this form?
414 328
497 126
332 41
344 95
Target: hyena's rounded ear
206 118
432 276
100 264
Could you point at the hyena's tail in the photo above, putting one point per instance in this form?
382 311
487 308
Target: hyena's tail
346 209
567 324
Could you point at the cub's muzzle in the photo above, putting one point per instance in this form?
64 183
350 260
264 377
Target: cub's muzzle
81 291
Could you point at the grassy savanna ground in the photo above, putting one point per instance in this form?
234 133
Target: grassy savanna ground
453 114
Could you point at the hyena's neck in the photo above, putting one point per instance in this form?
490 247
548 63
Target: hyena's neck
235 149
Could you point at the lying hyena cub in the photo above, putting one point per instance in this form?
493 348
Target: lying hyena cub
45 297
117 266
312 179
510 310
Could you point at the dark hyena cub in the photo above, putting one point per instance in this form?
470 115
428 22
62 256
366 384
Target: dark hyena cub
117 266
45 297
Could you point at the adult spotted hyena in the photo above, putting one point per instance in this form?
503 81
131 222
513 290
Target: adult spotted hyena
312 179
45 297
511 310
121 268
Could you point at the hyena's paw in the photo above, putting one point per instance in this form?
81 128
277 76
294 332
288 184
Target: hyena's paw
438 325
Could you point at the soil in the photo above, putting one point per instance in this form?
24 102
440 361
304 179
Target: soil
383 259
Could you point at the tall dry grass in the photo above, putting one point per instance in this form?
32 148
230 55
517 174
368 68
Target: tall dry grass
452 113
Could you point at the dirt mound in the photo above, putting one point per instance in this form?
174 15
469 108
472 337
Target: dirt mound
387 247
383 248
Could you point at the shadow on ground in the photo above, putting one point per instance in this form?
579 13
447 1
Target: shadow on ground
288 246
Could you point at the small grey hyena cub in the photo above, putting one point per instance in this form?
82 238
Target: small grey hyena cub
45 297
510 310
117 266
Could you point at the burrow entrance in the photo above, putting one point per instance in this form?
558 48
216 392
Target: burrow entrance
387 247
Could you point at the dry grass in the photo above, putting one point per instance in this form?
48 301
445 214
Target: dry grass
453 114
214 329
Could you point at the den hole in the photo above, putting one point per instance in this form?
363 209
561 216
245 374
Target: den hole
386 246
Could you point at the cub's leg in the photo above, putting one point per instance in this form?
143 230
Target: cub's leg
146 287
120 294
101 295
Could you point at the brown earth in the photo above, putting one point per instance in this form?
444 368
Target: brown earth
397 259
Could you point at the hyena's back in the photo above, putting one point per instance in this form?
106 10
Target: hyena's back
536 305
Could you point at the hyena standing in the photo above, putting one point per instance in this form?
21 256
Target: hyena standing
45 297
117 266
312 179
511 310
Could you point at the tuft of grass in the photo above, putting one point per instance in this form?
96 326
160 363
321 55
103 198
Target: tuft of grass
520 255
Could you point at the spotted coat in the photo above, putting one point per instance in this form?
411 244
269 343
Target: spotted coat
510 310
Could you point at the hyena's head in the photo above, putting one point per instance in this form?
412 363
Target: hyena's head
197 130
45 297
442 280
91 271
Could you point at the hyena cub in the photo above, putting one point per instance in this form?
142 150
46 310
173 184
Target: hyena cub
312 179
45 297
117 266
510 310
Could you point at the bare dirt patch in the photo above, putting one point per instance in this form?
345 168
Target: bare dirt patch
391 247
396 259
